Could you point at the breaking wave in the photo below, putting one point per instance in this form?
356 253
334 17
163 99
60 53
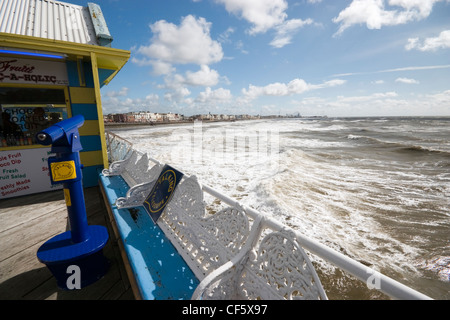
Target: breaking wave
376 189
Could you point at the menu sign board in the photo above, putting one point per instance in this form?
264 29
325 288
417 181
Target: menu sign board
24 172
28 71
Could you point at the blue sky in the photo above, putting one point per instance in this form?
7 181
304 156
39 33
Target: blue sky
314 57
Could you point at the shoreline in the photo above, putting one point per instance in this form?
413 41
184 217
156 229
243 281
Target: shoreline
118 125
141 124
151 124
112 125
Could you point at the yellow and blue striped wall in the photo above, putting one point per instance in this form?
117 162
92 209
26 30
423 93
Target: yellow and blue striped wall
83 102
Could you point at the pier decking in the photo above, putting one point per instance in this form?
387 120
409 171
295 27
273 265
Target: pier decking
26 223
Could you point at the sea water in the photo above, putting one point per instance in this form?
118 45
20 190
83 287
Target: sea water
375 189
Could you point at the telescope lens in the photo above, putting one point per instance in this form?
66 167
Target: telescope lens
42 137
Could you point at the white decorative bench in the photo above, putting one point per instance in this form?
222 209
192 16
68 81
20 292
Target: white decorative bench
137 175
230 254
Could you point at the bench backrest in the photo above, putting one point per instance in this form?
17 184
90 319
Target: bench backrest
120 166
272 264
134 169
206 241
278 268
137 172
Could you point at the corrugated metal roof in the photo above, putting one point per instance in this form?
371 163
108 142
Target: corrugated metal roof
48 19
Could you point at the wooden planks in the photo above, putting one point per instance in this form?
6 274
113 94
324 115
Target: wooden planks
25 224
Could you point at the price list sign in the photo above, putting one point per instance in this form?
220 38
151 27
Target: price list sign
24 172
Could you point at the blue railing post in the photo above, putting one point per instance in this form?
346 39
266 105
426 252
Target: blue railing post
82 245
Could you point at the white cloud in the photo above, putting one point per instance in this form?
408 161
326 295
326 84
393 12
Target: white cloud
376 104
122 93
414 68
375 15
225 36
328 84
296 86
141 62
440 100
286 30
240 47
113 104
190 42
374 96
430 44
204 77
445 66
262 14
177 95
407 81
265 15
161 68
214 96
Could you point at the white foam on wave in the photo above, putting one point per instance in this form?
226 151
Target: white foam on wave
348 204
318 199
354 137
440 266
326 203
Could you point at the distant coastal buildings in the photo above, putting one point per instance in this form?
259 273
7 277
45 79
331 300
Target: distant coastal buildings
145 117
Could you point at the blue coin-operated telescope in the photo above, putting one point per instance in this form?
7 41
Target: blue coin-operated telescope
74 257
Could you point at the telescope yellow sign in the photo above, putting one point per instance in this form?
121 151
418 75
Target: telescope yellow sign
62 171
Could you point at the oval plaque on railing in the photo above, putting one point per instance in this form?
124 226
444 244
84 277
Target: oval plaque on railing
162 192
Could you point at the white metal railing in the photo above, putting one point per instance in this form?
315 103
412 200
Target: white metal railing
385 284
118 148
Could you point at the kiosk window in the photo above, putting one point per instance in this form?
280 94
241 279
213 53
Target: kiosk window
27 111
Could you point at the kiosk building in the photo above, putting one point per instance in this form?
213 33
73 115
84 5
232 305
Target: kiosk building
54 58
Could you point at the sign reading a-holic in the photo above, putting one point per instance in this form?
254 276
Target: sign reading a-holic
27 71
